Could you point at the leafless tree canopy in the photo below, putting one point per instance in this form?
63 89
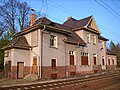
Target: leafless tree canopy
13 16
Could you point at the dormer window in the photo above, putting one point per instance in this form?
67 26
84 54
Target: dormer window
88 37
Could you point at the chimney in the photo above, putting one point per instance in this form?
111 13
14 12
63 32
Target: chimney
32 19
69 17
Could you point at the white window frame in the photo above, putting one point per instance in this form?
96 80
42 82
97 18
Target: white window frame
88 38
54 38
94 40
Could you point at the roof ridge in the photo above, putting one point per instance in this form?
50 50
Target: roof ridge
86 18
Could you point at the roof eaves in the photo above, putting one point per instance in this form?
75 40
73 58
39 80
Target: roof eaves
77 29
74 43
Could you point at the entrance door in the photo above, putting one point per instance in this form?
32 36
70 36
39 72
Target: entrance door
20 69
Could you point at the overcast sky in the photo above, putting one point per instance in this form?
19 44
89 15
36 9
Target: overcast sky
105 12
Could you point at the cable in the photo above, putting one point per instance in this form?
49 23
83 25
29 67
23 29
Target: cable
69 11
115 4
111 8
107 9
63 8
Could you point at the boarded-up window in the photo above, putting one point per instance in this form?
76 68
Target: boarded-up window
103 62
34 38
94 60
108 61
34 67
113 61
53 63
35 61
84 60
54 76
72 73
71 59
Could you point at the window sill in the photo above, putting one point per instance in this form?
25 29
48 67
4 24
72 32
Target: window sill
94 43
53 47
88 42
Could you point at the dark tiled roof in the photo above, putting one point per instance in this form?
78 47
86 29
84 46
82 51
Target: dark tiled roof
19 42
82 22
73 23
102 38
73 38
43 20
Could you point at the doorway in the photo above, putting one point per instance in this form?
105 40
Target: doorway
20 70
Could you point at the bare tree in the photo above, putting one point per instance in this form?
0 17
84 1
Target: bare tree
13 16
23 14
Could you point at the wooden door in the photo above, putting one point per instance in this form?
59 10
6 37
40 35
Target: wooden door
20 70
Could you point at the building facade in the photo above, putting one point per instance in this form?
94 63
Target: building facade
53 50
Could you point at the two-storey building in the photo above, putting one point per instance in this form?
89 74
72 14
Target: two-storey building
53 50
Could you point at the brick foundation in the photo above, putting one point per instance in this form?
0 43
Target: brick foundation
47 71
14 71
70 69
111 67
84 73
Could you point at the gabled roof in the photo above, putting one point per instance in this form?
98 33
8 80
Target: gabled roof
43 20
84 23
73 38
71 22
19 43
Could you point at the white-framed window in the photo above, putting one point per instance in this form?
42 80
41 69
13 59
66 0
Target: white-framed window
84 58
94 39
72 57
95 59
53 41
88 37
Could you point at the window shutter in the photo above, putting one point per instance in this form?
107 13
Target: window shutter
71 59
113 61
94 60
53 63
108 61
35 61
103 63
84 60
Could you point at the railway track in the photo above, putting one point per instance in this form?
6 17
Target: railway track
54 85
